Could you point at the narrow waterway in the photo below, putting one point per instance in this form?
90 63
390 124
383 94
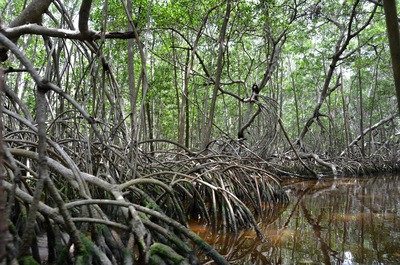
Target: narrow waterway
344 221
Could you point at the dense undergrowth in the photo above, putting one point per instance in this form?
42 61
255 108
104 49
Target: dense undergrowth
81 183
135 208
127 211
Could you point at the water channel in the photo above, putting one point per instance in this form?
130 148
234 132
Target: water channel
342 221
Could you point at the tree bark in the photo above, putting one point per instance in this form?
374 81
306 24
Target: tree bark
392 25
84 16
32 13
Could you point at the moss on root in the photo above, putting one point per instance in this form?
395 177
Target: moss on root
165 254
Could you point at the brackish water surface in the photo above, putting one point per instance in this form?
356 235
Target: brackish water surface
342 221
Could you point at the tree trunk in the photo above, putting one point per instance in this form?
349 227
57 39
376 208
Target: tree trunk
361 113
345 116
3 201
207 133
392 25
133 90
184 101
342 43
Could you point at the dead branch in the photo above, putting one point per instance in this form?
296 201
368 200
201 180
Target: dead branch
367 130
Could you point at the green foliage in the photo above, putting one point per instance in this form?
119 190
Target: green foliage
27 260
309 32
84 256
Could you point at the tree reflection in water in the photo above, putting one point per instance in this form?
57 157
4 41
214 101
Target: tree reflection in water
343 221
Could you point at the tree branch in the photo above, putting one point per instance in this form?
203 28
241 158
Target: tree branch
32 13
373 127
84 17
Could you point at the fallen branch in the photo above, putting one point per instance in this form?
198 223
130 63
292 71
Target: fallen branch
321 162
373 127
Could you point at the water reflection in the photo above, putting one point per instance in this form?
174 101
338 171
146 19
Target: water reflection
345 221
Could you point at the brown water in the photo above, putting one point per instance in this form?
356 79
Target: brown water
344 221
